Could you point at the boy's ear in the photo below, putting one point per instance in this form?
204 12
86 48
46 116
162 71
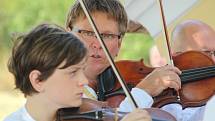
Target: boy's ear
68 29
35 81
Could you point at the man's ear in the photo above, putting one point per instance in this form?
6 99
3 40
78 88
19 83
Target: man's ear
35 81
119 43
197 40
195 36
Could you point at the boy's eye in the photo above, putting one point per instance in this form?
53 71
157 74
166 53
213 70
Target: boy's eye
71 73
74 71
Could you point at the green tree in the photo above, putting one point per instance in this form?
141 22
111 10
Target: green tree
21 15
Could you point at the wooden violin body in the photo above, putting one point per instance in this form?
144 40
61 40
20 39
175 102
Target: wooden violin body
132 72
92 110
198 80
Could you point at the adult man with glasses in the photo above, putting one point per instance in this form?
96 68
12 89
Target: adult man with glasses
111 20
193 35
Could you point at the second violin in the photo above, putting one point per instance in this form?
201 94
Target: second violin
197 68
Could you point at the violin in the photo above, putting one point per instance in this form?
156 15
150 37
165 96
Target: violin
197 79
92 110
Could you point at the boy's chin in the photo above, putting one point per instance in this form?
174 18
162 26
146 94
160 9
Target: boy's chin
77 103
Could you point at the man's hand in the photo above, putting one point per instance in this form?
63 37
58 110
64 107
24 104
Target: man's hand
160 79
137 115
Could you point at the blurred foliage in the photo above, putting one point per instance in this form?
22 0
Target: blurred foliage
22 15
19 16
136 46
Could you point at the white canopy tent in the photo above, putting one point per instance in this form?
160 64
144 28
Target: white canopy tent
147 12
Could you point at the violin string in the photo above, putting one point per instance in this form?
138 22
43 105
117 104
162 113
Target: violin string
191 79
196 70
197 75
191 72
205 73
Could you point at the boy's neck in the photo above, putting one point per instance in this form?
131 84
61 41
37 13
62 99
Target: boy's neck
39 111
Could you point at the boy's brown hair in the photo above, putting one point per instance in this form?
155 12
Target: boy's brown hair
43 49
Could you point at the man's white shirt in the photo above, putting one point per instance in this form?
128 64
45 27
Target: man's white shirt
144 100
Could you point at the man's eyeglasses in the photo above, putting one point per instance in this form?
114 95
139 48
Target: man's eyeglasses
207 52
91 35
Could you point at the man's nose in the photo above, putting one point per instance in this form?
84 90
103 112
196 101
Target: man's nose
95 44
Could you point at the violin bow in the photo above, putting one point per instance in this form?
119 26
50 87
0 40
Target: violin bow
107 53
166 32
167 38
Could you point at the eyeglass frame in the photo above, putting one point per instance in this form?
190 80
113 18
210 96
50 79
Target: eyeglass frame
80 31
209 52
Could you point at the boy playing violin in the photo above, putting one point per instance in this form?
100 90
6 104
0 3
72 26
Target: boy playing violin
48 65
